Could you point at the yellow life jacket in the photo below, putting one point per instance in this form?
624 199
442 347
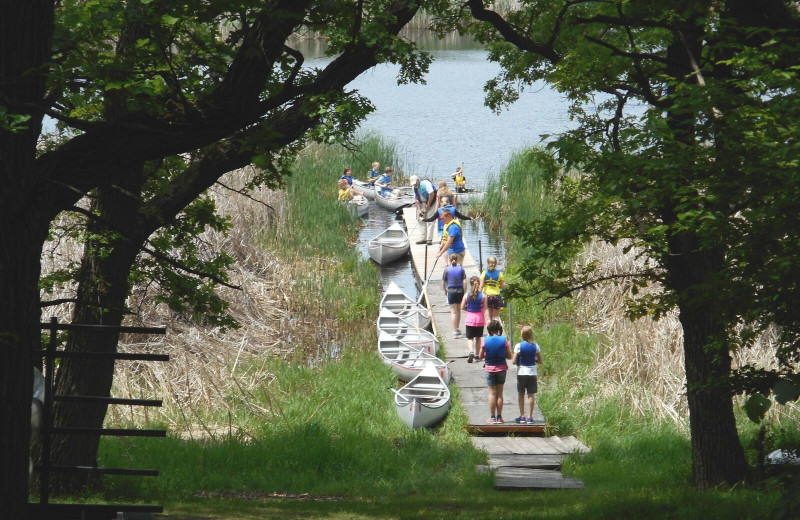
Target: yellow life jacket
345 194
453 222
460 181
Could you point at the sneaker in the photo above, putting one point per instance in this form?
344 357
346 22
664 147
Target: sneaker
520 419
471 357
500 419
456 334
530 420
491 420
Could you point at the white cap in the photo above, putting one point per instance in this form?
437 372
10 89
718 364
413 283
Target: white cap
413 179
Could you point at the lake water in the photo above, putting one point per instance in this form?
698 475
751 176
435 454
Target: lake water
444 123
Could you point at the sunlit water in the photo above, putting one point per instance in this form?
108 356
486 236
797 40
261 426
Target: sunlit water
444 123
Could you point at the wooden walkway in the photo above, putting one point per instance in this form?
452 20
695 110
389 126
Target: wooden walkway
470 377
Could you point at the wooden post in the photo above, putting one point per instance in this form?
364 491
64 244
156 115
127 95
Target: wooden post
480 257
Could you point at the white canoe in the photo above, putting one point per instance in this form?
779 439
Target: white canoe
408 361
407 332
390 245
424 401
365 187
358 206
471 195
394 202
395 300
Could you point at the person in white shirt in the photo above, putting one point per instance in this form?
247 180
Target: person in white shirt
425 201
528 357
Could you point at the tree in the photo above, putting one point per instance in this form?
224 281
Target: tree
142 81
687 147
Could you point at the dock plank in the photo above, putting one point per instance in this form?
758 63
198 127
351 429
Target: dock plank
529 478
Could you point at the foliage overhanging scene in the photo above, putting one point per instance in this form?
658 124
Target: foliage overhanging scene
174 164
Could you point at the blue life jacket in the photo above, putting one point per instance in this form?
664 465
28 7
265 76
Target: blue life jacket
374 174
455 276
527 354
421 193
495 347
348 179
475 305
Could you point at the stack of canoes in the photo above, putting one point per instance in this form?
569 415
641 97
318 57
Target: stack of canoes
410 350
388 246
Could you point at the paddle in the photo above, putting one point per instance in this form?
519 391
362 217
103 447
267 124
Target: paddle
401 396
422 292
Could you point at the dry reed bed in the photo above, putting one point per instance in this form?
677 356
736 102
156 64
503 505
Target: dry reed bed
641 361
213 373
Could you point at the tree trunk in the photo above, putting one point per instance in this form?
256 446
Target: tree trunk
102 294
717 453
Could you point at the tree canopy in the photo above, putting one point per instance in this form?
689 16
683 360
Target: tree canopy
686 147
132 84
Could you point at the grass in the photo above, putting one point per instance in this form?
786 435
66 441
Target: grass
327 443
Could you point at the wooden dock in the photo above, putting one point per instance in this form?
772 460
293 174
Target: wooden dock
471 380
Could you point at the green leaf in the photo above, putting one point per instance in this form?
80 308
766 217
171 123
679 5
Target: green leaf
169 20
757 407
785 391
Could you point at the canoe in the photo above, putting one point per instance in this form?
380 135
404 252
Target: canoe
358 206
470 195
395 300
407 332
395 202
390 245
408 361
424 401
365 187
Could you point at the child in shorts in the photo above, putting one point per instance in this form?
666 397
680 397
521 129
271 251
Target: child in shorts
527 357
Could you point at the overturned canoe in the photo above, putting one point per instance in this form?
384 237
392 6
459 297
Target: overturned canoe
424 401
395 300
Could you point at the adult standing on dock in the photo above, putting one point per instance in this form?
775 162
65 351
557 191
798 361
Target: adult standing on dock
454 282
495 349
453 239
425 201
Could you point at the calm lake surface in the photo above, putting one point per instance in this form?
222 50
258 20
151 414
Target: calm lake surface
444 123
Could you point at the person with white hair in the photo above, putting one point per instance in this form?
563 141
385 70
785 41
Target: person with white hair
425 201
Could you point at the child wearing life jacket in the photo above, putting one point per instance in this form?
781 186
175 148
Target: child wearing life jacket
374 173
495 349
454 283
527 357
474 303
345 191
492 281
459 180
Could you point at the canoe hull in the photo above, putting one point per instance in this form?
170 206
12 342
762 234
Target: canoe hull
423 401
390 245
393 203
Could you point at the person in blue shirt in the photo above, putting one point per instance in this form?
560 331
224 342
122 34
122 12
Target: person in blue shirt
446 204
453 242
374 173
348 176
384 182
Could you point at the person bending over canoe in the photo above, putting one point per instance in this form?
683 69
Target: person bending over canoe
425 201
446 204
495 349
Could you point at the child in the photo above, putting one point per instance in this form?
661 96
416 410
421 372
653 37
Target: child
383 183
374 173
459 180
495 350
345 191
527 355
454 282
474 321
492 282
